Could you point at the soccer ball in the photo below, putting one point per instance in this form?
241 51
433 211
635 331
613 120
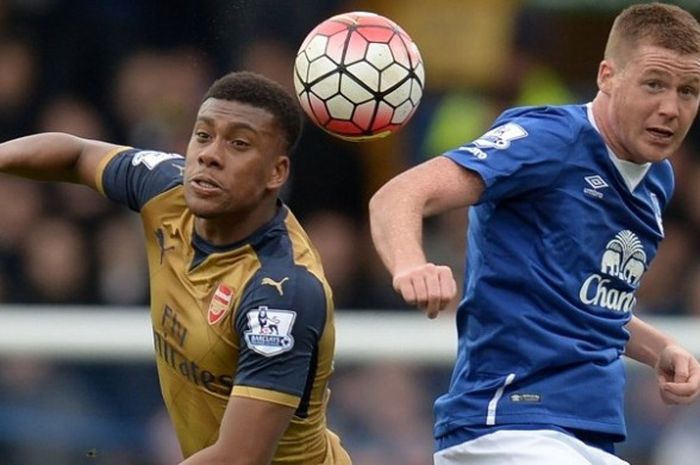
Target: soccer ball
359 76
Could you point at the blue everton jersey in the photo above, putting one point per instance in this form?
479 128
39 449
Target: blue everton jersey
556 249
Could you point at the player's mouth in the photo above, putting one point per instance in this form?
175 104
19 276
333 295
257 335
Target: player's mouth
204 185
660 134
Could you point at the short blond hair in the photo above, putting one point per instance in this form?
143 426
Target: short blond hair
659 24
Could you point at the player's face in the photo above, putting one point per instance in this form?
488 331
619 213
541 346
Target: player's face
235 159
654 100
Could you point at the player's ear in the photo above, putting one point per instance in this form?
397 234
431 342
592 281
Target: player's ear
280 172
606 71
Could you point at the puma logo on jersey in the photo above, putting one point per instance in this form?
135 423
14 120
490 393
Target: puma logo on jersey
160 238
276 284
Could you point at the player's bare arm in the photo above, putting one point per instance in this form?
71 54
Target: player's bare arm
677 371
54 157
396 216
249 433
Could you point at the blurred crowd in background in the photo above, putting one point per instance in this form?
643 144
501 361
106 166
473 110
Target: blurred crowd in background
133 72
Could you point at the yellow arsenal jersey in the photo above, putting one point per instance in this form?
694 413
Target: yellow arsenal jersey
252 319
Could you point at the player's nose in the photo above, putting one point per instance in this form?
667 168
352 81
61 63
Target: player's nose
210 155
669 106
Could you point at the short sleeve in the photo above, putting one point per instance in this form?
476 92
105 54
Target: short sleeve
279 322
133 176
522 152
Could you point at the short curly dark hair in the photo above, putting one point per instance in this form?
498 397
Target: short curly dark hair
261 92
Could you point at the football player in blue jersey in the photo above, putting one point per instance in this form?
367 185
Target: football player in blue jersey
565 214
242 314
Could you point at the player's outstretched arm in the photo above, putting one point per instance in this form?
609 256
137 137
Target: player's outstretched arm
396 214
54 157
677 371
248 435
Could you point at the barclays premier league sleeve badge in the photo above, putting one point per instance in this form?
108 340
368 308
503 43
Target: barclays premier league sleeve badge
500 138
270 330
150 158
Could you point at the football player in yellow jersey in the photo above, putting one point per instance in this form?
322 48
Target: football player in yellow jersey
242 314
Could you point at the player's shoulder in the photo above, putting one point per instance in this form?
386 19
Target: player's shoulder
563 119
546 112
154 161
286 272
292 291
133 176
552 126
289 284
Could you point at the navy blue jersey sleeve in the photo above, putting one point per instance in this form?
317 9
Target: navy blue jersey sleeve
279 322
133 177
524 150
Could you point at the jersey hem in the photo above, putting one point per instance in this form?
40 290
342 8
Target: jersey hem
99 173
613 429
266 395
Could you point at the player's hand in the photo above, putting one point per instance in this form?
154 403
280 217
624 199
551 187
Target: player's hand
678 373
430 287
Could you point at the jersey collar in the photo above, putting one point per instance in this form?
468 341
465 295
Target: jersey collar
203 248
632 173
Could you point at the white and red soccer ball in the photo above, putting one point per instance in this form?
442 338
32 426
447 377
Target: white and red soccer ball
359 76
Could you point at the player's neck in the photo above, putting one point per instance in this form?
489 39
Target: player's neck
602 117
229 229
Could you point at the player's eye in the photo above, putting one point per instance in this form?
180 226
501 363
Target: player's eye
689 91
201 136
240 144
654 85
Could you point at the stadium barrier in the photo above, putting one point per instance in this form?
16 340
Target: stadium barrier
94 333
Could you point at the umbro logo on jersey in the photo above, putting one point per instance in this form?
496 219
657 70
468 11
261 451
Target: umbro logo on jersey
276 284
596 183
526 398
